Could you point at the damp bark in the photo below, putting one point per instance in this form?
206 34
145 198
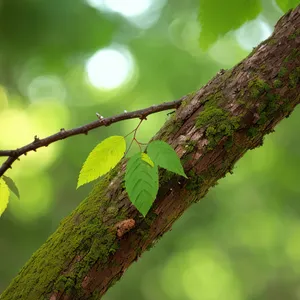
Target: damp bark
212 129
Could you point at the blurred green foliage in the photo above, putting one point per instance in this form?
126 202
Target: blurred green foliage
218 17
285 5
240 242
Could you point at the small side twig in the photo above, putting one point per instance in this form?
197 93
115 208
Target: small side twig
142 114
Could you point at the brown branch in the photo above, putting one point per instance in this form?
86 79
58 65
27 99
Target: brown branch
13 155
105 234
7 153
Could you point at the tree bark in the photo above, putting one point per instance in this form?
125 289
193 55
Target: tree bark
212 129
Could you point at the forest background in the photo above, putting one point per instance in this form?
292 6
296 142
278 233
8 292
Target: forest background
63 61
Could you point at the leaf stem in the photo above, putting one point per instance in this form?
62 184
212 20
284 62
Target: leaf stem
134 131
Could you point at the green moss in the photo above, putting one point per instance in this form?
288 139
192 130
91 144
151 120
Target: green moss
115 246
184 103
263 66
227 74
288 109
218 123
122 184
112 211
241 101
69 285
104 243
268 107
282 71
271 41
190 146
272 104
252 132
257 87
194 182
165 176
172 126
294 35
80 241
211 130
263 118
229 143
211 114
177 125
291 57
188 98
144 230
114 172
199 184
61 283
294 77
96 293
191 95
151 216
187 157
277 83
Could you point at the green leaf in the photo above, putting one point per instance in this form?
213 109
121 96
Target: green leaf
217 17
104 157
11 185
141 182
147 159
4 195
165 156
285 5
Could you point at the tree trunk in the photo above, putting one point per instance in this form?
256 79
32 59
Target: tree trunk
211 130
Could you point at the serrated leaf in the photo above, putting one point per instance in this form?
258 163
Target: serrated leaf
217 17
4 195
141 182
11 185
165 156
104 157
285 5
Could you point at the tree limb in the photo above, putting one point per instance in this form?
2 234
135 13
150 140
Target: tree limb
212 129
13 155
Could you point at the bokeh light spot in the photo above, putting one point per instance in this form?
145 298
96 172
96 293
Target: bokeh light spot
18 129
197 269
110 68
41 119
252 33
48 117
127 8
140 13
227 51
46 87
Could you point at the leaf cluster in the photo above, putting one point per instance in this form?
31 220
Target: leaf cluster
141 176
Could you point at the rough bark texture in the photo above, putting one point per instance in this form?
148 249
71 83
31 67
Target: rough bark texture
212 129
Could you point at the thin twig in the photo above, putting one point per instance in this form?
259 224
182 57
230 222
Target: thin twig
134 136
13 155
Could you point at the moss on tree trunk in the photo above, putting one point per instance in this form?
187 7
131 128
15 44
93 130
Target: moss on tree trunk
212 129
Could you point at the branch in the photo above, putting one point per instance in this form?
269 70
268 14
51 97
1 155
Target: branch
142 114
211 131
